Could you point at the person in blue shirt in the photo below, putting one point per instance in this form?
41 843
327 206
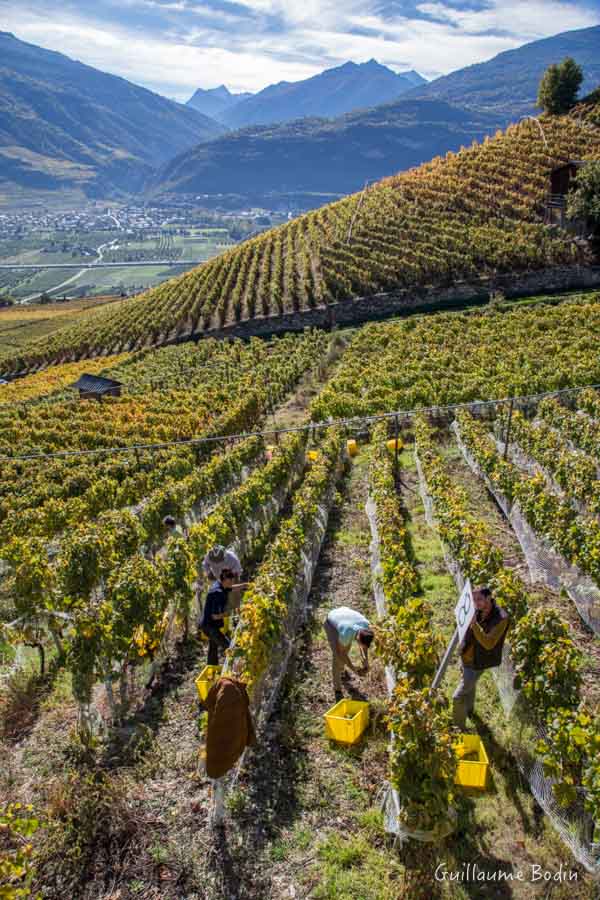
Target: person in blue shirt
211 622
343 627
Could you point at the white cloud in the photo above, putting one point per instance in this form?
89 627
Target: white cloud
525 21
246 54
170 67
431 48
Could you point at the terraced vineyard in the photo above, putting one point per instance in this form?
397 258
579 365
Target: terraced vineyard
464 357
99 651
476 212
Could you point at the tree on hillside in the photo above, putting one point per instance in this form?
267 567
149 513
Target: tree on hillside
559 87
583 202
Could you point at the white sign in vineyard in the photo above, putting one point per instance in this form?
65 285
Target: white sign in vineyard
464 611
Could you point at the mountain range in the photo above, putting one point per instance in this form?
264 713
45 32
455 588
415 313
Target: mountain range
507 85
305 155
330 93
65 124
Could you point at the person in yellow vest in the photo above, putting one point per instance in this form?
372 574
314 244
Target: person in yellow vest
481 649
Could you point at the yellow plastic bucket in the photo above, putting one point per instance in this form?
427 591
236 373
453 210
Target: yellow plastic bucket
471 773
346 721
352 447
206 679
391 445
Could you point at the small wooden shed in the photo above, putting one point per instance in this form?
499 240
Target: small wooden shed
563 176
94 387
562 180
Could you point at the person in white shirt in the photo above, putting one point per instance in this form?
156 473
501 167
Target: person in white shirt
217 559
343 626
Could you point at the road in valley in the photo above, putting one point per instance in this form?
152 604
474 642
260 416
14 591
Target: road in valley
58 287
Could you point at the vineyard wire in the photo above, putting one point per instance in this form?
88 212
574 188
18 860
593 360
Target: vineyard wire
356 211
352 422
539 125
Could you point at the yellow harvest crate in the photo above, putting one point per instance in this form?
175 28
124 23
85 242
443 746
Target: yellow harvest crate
352 447
471 773
206 679
391 445
346 721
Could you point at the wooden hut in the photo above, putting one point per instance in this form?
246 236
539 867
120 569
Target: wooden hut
95 387
562 180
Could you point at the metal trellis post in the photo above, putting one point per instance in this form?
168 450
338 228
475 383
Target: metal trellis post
507 437
396 454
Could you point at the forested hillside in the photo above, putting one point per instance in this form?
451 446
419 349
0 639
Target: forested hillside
64 124
506 86
323 155
460 216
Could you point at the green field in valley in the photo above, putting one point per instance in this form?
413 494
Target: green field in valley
52 248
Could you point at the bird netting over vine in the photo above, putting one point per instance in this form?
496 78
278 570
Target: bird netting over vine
544 562
391 803
573 823
266 689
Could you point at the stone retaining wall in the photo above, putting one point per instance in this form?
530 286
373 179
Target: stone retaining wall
357 310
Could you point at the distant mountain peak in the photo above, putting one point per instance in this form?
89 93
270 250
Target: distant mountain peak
370 64
220 91
413 77
333 92
215 101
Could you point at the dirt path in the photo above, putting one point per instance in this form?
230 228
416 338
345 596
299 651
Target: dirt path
295 410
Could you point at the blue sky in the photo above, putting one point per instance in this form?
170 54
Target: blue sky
174 46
